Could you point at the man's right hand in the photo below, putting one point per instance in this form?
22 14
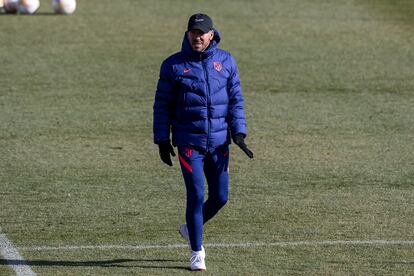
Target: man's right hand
165 150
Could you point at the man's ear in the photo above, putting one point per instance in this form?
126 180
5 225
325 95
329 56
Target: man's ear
211 35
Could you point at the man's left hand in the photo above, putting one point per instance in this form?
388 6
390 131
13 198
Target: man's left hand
238 139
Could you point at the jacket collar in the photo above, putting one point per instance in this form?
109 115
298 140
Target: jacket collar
188 51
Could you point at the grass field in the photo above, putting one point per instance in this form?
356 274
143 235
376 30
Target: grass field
328 88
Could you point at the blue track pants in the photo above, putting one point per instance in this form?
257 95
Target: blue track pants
195 165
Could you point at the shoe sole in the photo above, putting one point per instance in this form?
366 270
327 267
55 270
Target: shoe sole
181 235
184 238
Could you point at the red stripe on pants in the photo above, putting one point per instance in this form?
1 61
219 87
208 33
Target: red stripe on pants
185 164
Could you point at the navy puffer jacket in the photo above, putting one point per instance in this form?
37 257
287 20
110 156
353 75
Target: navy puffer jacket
199 98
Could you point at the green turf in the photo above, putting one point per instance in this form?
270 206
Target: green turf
329 99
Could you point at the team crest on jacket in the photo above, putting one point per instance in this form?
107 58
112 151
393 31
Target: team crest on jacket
217 66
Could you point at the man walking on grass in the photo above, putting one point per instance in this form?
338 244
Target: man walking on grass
199 100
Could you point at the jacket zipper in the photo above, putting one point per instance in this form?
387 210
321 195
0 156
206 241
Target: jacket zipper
208 101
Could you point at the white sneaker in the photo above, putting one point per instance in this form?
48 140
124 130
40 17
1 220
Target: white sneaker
184 232
197 260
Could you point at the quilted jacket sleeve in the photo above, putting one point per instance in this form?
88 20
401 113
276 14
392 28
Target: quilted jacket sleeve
236 117
163 105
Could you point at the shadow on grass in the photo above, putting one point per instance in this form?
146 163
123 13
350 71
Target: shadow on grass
125 263
29 15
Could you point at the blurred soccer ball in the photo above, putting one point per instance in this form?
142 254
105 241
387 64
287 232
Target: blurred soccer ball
64 6
29 6
11 6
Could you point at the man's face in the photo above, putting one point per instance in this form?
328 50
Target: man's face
199 41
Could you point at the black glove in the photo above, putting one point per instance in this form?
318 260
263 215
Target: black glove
165 150
238 139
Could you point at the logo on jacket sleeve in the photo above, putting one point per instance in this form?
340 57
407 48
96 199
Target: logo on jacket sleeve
186 70
217 66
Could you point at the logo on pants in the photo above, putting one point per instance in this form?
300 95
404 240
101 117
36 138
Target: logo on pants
188 152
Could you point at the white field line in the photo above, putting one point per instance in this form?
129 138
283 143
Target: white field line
222 245
13 258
